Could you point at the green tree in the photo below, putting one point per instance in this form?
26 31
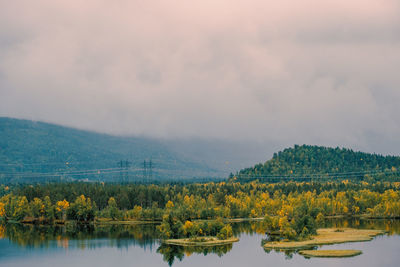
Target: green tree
37 207
49 209
112 209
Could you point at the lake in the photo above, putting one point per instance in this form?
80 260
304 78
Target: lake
137 245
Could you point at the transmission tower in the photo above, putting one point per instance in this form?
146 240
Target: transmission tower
151 169
144 170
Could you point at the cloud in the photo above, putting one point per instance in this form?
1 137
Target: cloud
305 71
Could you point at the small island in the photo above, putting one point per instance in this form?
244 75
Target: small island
199 234
330 253
327 236
201 241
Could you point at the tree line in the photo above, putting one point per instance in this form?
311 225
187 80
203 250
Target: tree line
293 208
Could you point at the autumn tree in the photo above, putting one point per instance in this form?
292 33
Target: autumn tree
21 208
2 210
225 233
81 210
61 209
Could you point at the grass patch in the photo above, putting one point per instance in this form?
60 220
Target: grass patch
200 241
327 236
330 253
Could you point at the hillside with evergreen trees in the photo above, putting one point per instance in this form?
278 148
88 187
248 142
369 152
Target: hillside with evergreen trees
318 161
37 151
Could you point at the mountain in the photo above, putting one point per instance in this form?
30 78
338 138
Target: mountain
38 151
32 150
319 161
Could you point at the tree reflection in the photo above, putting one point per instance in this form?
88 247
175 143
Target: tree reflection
55 235
392 227
146 236
170 252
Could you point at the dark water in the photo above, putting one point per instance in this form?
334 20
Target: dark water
138 246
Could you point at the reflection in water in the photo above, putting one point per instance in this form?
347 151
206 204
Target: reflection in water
248 227
113 235
84 237
287 252
390 226
170 252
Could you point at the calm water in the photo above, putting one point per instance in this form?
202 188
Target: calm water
137 246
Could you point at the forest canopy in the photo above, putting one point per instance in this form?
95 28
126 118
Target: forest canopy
323 162
188 202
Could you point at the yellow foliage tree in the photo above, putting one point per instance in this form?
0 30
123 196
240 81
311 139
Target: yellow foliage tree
188 227
61 208
169 204
2 210
63 205
2 231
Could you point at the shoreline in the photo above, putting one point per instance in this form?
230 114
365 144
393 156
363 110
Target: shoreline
345 253
106 221
209 241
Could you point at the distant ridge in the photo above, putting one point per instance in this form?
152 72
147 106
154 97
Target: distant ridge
35 151
318 161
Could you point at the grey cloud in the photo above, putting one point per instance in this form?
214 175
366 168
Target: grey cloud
319 72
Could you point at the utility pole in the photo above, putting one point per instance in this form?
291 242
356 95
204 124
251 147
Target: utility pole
120 164
151 169
123 170
144 170
127 165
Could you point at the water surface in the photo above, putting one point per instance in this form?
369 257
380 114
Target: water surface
138 246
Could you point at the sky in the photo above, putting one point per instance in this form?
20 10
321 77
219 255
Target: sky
283 72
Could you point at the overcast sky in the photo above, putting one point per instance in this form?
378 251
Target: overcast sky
288 71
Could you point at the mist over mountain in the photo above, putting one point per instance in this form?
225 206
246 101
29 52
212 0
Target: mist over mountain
36 151
33 150
29 147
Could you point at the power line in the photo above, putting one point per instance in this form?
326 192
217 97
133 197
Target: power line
82 172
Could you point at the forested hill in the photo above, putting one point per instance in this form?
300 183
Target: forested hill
308 160
34 150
